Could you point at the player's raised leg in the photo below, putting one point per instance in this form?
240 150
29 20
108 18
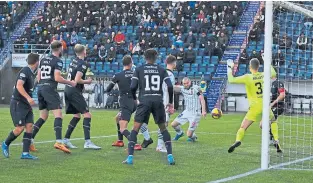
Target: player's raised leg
240 134
71 126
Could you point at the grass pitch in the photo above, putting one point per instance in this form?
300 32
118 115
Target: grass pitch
203 161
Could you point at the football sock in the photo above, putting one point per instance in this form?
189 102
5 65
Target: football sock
71 127
26 142
11 137
144 130
58 129
178 130
126 133
132 142
274 129
119 134
167 140
240 134
160 139
37 127
86 126
193 135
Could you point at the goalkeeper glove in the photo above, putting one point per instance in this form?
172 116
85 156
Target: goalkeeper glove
230 65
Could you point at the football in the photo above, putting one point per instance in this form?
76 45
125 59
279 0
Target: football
216 113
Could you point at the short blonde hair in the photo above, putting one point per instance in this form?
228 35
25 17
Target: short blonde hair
79 48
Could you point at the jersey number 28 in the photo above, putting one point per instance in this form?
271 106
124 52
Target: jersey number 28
259 85
154 81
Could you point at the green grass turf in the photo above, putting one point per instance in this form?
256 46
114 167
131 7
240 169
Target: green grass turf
203 161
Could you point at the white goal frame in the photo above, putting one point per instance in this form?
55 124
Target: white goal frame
269 21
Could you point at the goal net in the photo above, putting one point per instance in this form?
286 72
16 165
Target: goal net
292 59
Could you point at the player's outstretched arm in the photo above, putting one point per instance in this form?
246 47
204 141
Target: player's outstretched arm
112 84
177 88
38 75
79 80
134 87
231 78
58 78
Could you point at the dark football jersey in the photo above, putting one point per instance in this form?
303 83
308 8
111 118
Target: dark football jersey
277 88
77 65
26 75
47 67
123 79
150 80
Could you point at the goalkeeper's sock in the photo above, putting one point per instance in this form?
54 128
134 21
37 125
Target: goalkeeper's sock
145 132
240 134
274 129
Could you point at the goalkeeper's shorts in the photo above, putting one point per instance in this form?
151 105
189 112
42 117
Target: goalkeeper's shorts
255 113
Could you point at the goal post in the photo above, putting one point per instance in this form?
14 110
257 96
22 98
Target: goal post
288 43
267 88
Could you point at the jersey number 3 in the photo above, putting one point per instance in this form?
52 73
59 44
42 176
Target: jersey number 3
259 85
45 72
154 81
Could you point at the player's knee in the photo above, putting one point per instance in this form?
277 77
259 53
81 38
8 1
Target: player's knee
44 115
76 115
58 113
18 130
29 127
87 115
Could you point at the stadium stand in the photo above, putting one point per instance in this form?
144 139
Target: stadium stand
133 27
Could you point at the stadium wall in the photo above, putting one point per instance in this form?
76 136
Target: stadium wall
7 78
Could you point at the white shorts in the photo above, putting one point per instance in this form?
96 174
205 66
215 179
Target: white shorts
187 116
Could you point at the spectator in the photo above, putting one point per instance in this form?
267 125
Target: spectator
70 25
190 40
223 40
158 41
205 26
97 37
254 54
190 56
74 38
302 41
209 49
203 40
285 42
136 49
180 59
174 51
111 55
78 25
217 51
166 42
102 54
278 59
94 54
98 90
233 19
254 36
244 59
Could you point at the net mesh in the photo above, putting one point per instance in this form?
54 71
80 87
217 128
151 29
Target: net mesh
292 49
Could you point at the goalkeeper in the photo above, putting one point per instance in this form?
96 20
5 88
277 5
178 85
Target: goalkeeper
254 88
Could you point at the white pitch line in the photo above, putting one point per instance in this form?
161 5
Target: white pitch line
74 139
238 176
260 170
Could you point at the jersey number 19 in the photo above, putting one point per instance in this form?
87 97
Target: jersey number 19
152 83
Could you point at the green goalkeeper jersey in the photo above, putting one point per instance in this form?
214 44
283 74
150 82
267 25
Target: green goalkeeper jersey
253 84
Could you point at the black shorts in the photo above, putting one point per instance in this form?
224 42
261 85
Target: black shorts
74 101
21 113
145 108
127 107
48 98
278 110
